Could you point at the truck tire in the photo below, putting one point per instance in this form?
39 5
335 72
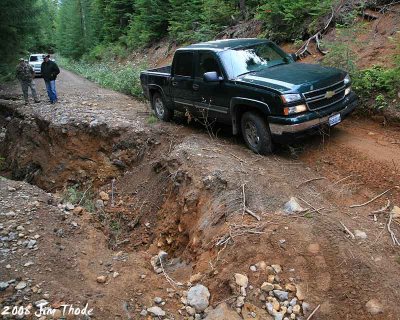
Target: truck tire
256 133
160 109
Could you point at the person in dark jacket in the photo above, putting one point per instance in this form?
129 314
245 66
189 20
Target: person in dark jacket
50 70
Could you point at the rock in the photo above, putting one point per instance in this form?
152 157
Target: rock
198 297
300 294
3 286
156 311
155 260
143 313
253 268
360 234
195 277
271 278
8 266
261 265
277 268
104 196
190 310
395 212
101 279
11 189
290 287
281 295
374 307
266 286
115 274
42 303
239 301
158 300
306 307
57 314
251 312
31 244
28 264
241 280
222 312
99 204
77 210
292 206
296 309
293 302
21 285
69 206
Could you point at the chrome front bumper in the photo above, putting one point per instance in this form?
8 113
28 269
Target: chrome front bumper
280 129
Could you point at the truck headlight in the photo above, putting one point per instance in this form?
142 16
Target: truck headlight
347 91
347 79
296 109
291 97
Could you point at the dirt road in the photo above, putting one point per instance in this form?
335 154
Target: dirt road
180 190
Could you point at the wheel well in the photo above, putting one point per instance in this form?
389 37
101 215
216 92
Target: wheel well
152 92
238 113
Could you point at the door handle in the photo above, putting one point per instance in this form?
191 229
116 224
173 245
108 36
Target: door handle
174 83
195 87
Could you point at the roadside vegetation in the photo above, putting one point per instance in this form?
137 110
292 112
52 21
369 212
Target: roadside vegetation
119 77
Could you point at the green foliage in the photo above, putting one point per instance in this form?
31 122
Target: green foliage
340 56
286 20
185 17
78 26
216 15
115 16
25 26
152 119
119 77
149 23
76 197
375 80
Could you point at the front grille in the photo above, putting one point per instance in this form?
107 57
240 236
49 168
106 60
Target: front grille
317 99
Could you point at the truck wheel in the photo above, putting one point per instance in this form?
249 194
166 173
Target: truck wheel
256 133
161 111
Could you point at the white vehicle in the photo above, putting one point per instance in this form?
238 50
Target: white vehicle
35 60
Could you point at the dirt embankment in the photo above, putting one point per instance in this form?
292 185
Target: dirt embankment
214 206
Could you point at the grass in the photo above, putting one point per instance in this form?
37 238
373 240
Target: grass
123 78
76 197
152 119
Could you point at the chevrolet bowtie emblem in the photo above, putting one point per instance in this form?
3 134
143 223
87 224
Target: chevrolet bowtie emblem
329 94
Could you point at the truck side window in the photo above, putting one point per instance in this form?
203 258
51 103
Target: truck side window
207 63
183 64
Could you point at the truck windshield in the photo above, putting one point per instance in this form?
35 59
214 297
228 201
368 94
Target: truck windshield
240 61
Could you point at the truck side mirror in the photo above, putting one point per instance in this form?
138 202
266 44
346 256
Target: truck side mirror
294 56
211 76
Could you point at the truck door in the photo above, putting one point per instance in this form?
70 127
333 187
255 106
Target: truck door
182 80
209 97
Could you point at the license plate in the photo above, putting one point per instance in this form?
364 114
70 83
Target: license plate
333 120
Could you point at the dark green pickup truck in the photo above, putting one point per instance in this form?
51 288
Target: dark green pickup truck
252 85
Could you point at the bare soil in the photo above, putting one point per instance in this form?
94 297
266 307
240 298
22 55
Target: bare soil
179 189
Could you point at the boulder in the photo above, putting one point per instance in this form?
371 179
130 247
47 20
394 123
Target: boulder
198 297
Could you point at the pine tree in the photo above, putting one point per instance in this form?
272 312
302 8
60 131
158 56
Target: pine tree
149 23
185 19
